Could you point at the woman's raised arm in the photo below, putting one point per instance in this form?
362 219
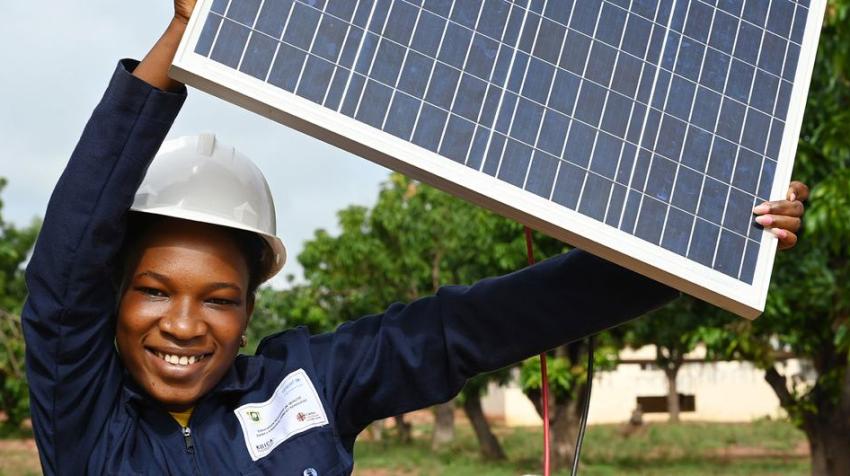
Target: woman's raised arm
73 370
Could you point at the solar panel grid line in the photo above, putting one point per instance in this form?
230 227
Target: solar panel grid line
337 65
519 94
678 164
460 79
737 155
601 114
622 35
374 55
503 90
690 117
356 59
273 60
250 35
634 103
490 86
649 110
663 108
536 145
401 68
431 75
772 122
713 141
752 87
218 30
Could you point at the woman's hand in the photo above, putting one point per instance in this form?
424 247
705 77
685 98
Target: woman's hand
783 218
183 10
154 68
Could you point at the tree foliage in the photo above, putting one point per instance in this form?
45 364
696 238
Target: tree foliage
15 245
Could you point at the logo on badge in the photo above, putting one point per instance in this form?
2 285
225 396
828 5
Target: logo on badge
255 416
300 416
310 472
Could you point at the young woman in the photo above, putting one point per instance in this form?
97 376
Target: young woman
144 377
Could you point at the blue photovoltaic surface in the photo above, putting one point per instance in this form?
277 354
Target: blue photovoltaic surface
660 118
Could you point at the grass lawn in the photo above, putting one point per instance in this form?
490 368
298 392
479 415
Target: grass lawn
760 448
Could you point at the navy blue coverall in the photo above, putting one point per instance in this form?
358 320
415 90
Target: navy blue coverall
89 417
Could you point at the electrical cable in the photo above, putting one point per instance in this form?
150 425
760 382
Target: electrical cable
544 377
585 406
529 248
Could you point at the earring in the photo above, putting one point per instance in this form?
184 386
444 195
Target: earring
243 341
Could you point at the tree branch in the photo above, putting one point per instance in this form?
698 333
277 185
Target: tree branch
844 393
780 387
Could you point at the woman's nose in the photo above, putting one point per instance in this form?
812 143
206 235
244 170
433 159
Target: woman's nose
183 320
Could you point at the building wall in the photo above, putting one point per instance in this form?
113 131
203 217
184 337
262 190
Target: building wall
724 391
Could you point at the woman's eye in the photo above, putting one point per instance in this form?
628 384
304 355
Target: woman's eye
222 302
152 292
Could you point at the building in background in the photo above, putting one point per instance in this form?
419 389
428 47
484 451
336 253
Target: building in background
722 391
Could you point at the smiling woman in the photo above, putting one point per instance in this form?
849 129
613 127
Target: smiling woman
168 269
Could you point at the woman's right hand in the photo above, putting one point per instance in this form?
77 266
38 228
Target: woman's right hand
154 68
183 9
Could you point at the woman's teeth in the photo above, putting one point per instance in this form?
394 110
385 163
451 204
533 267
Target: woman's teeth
180 359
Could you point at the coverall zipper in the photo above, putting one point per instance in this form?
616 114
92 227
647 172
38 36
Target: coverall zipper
187 438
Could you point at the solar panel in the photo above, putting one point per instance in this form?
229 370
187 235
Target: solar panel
643 131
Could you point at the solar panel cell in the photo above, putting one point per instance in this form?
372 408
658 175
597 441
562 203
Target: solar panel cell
541 174
730 250
594 196
611 30
677 231
713 200
259 55
650 221
686 192
232 40
568 185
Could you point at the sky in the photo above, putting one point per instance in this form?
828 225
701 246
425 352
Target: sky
57 58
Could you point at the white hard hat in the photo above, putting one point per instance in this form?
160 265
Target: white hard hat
200 179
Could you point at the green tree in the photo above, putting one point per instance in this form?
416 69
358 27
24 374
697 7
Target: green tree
412 241
808 308
15 245
674 330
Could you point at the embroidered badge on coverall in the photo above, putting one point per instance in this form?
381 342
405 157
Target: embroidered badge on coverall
293 407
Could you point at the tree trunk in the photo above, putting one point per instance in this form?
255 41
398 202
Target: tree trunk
444 425
564 428
376 430
488 444
828 429
829 442
402 429
564 417
672 394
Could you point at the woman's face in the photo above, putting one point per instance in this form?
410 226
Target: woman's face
184 310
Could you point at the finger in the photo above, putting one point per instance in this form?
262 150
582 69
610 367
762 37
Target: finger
786 238
781 222
781 207
798 191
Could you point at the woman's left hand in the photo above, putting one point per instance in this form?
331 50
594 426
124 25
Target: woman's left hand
784 218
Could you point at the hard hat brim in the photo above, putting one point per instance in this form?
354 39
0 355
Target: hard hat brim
275 244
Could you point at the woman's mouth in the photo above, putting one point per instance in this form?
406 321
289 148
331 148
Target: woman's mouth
181 360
